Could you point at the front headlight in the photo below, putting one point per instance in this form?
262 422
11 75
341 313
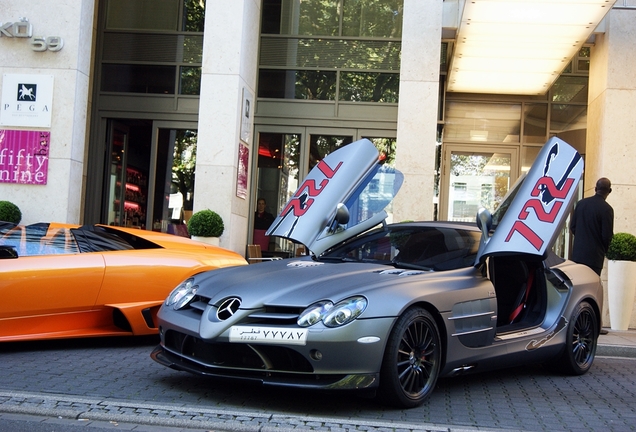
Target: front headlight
345 311
182 294
314 313
333 315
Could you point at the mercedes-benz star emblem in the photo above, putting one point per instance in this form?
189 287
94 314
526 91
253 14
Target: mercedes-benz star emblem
228 308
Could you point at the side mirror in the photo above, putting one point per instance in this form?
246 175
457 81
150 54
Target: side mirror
8 252
484 222
342 214
341 218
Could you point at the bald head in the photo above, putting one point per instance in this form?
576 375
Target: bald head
603 187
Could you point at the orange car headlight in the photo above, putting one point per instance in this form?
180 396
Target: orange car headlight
182 294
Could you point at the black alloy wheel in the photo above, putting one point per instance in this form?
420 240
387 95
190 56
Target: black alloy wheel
412 358
581 341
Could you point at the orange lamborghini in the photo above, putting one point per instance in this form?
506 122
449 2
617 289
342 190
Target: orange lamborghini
68 281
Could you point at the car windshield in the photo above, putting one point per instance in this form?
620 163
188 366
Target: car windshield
38 239
45 239
425 247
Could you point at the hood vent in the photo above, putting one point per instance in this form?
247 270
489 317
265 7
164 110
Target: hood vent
304 264
401 272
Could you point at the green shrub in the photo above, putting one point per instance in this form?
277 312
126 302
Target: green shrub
622 247
10 212
206 223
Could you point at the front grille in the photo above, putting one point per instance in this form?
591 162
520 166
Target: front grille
236 355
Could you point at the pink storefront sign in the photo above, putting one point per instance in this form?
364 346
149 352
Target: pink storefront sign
24 156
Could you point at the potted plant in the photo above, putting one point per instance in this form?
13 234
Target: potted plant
206 226
10 212
621 279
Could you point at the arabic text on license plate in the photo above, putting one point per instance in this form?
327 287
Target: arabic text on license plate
273 335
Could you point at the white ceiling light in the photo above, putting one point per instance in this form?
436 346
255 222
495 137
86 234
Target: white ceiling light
520 46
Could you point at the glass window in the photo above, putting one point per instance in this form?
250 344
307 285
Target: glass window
459 186
386 147
153 32
192 49
293 17
366 18
133 15
321 145
321 35
568 89
567 117
138 78
583 60
329 53
190 83
479 180
369 87
535 123
372 18
290 84
193 15
528 155
478 122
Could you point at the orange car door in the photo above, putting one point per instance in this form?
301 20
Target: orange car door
144 275
49 284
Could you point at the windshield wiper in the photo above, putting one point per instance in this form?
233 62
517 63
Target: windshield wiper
410 266
339 258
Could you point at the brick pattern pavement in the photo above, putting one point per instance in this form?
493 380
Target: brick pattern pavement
116 378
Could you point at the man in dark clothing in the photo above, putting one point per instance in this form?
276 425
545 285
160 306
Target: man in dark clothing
262 220
593 227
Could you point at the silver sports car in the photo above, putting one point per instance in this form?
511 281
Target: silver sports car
390 308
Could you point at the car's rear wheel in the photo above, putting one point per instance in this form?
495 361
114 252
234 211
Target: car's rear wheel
581 341
411 361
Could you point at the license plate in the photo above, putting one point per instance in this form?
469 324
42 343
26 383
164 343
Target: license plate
268 335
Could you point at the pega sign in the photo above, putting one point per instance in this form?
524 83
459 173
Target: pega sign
24 29
24 156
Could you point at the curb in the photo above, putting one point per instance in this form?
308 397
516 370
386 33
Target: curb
88 410
616 351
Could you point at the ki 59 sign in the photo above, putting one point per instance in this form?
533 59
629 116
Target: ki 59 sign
24 29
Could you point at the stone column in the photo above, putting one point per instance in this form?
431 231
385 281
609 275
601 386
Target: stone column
611 130
417 111
229 67
73 21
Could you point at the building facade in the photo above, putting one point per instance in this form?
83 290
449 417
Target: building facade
156 108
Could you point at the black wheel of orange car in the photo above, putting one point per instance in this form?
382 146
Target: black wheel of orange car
581 340
411 361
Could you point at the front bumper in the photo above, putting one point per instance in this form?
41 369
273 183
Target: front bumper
267 377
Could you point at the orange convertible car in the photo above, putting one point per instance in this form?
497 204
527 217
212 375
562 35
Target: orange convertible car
67 281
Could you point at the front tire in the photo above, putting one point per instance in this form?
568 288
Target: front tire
411 362
581 341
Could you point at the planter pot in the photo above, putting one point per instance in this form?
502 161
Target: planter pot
214 241
621 286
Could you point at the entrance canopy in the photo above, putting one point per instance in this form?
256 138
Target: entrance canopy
517 46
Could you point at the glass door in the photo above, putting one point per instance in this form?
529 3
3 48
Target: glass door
172 180
474 177
277 175
127 178
284 155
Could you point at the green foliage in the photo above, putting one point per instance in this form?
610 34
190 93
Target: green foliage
206 223
10 212
622 247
